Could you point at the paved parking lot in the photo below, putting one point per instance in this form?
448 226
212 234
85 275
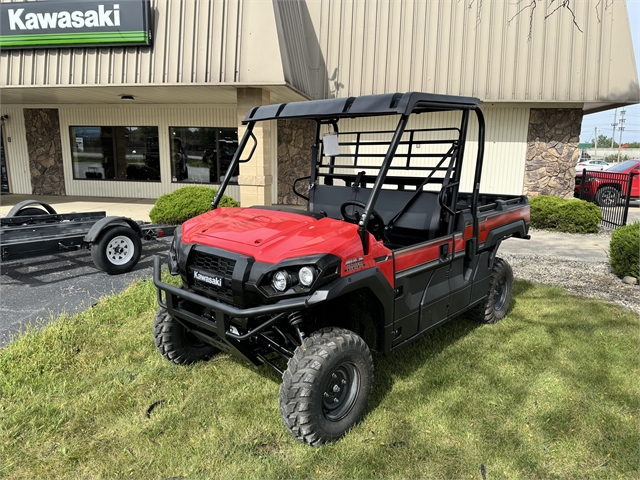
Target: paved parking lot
45 287
634 212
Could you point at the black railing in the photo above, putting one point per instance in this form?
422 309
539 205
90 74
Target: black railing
608 190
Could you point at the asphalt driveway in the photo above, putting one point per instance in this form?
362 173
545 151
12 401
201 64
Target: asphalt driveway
45 287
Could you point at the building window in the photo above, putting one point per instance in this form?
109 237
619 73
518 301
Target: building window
202 154
115 153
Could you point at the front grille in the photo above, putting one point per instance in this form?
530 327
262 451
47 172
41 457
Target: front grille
216 266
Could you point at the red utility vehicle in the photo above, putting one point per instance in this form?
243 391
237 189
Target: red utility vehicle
386 250
608 187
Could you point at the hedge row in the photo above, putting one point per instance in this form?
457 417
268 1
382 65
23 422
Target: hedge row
624 250
560 215
187 202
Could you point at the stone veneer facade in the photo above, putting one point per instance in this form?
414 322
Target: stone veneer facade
45 151
295 138
552 151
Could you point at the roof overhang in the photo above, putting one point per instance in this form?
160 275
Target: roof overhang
198 94
596 107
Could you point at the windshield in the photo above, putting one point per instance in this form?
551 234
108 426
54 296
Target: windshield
621 167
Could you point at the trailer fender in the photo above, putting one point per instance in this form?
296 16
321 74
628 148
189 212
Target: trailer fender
25 203
108 222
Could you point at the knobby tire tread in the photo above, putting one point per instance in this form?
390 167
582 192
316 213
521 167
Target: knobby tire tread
298 381
169 338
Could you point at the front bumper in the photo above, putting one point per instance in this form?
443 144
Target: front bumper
222 321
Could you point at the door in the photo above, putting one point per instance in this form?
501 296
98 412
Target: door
422 287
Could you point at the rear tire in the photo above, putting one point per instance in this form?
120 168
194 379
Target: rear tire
607 196
117 250
325 389
176 343
497 303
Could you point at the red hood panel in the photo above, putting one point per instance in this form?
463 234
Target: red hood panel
269 235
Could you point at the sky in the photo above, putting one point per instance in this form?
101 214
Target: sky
603 120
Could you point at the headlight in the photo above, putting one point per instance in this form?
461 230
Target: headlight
280 280
306 276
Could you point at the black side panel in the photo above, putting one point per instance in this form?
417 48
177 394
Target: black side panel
480 287
434 305
410 287
460 287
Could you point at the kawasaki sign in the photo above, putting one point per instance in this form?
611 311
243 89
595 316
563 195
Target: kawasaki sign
79 23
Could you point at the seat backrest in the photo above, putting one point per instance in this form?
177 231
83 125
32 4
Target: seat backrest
329 198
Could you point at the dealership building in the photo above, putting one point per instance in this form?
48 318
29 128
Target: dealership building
136 98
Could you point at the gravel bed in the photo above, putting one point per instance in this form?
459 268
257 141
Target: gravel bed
587 279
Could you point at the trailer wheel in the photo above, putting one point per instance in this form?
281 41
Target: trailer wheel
497 303
176 343
30 212
326 386
117 250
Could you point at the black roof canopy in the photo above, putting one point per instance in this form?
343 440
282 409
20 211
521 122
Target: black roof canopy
363 106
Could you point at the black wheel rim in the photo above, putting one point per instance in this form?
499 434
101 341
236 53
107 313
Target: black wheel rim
609 197
341 392
500 294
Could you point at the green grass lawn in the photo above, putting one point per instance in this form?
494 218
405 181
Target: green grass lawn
550 391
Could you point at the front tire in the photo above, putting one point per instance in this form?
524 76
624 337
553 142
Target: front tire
326 387
176 343
607 196
117 251
497 303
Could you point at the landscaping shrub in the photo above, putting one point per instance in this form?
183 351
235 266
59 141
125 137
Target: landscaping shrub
558 214
176 207
624 250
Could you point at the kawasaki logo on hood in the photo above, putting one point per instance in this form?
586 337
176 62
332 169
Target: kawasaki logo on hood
56 23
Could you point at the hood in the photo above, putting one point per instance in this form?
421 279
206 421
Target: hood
270 235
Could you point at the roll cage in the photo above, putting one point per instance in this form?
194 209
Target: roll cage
359 163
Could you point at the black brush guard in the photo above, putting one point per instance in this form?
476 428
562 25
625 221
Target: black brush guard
221 321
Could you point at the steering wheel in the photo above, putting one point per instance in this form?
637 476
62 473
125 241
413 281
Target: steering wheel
376 223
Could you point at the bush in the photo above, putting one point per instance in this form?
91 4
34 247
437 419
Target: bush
185 203
558 214
624 250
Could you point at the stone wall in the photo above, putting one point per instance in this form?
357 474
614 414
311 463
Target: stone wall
295 138
45 151
552 151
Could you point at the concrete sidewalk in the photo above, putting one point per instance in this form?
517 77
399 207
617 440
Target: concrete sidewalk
592 247
134 208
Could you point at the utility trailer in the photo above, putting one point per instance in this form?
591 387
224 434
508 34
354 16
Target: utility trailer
33 228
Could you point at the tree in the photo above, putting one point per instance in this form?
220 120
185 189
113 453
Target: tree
604 142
